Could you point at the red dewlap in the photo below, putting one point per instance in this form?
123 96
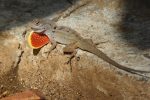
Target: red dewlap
39 39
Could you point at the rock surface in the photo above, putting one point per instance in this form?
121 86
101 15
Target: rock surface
121 28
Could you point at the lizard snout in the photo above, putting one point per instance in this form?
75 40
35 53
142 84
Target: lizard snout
38 29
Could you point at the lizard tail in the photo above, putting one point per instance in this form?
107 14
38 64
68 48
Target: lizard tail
103 56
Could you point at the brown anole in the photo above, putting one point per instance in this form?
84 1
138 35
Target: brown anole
72 40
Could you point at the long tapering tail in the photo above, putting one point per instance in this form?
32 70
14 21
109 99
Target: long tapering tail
100 54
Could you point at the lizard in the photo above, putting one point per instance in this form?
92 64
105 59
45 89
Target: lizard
72 40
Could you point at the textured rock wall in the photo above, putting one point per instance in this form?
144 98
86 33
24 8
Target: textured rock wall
120 26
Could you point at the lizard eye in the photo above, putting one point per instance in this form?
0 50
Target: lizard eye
37 23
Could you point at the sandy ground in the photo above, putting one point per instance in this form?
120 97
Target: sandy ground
123 35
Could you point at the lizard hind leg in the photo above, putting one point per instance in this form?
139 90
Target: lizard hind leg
70 49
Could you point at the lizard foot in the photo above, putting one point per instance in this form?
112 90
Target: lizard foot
70 60
48 48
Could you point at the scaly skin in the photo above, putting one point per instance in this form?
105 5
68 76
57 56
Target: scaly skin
65 35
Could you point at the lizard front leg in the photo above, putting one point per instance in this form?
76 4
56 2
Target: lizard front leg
53 46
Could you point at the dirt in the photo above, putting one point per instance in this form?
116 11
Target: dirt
88 77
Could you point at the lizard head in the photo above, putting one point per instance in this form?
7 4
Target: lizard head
42 26
38 27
